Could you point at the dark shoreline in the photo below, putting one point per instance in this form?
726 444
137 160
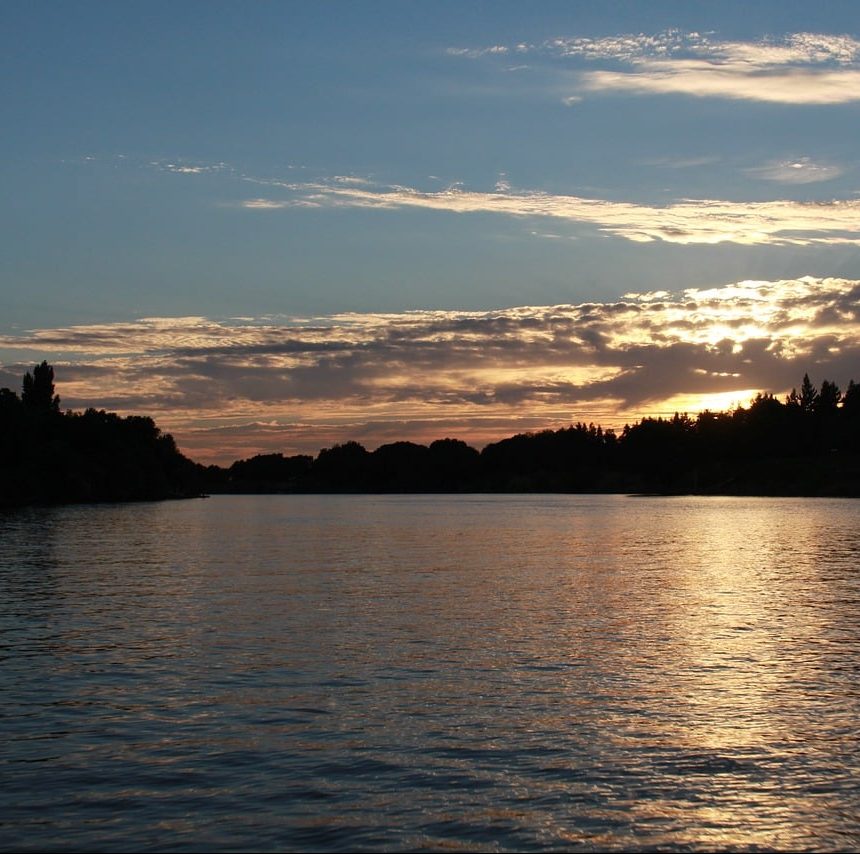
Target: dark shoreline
807 446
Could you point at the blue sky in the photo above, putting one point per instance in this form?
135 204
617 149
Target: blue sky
275 161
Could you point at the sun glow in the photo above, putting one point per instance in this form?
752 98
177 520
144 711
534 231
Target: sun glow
715 402
476 375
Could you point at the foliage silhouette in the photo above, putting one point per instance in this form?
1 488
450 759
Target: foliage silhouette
38 389
808 444
48 456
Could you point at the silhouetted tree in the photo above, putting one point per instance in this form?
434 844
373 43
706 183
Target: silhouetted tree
851 399
52 457
9 401
828 399
399 467
38 390
452 465
342 467
808 395
268 472
810 445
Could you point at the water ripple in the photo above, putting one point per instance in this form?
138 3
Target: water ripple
503 673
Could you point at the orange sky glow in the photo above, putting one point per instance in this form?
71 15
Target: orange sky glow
228 389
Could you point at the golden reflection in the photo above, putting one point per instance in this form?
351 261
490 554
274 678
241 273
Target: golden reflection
739 632
600 671
689 638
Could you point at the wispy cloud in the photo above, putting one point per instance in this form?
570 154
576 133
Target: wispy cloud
800 170
781 222
181 167
237 387
791 49
799 68
682 162
280 204
703 79
474 53
689 221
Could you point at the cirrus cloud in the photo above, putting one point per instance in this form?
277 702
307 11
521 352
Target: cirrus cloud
797 68
689 221
799 170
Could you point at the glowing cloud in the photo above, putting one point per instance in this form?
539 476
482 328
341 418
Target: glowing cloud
689 221
800 68
233 388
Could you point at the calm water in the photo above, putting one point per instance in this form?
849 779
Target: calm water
457 673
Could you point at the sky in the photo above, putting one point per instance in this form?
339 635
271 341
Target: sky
278 226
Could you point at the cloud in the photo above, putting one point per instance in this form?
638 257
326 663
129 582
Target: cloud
705 79
682 162
795 49
185 168
278 204
801 170
475 53
234 388
799 68
688 221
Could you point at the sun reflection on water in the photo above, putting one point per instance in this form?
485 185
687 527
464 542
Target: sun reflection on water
476 672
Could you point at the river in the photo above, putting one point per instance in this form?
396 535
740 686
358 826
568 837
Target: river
545 672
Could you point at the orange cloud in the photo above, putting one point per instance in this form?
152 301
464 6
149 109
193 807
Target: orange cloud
232 388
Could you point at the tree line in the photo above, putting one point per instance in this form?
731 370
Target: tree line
48 456
806 444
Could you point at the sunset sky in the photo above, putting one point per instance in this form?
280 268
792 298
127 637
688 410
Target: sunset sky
277 226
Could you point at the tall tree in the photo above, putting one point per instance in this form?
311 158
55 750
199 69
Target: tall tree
808 395
38 389
828 399
851 399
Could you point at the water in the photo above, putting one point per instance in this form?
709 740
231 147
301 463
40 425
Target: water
431 672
